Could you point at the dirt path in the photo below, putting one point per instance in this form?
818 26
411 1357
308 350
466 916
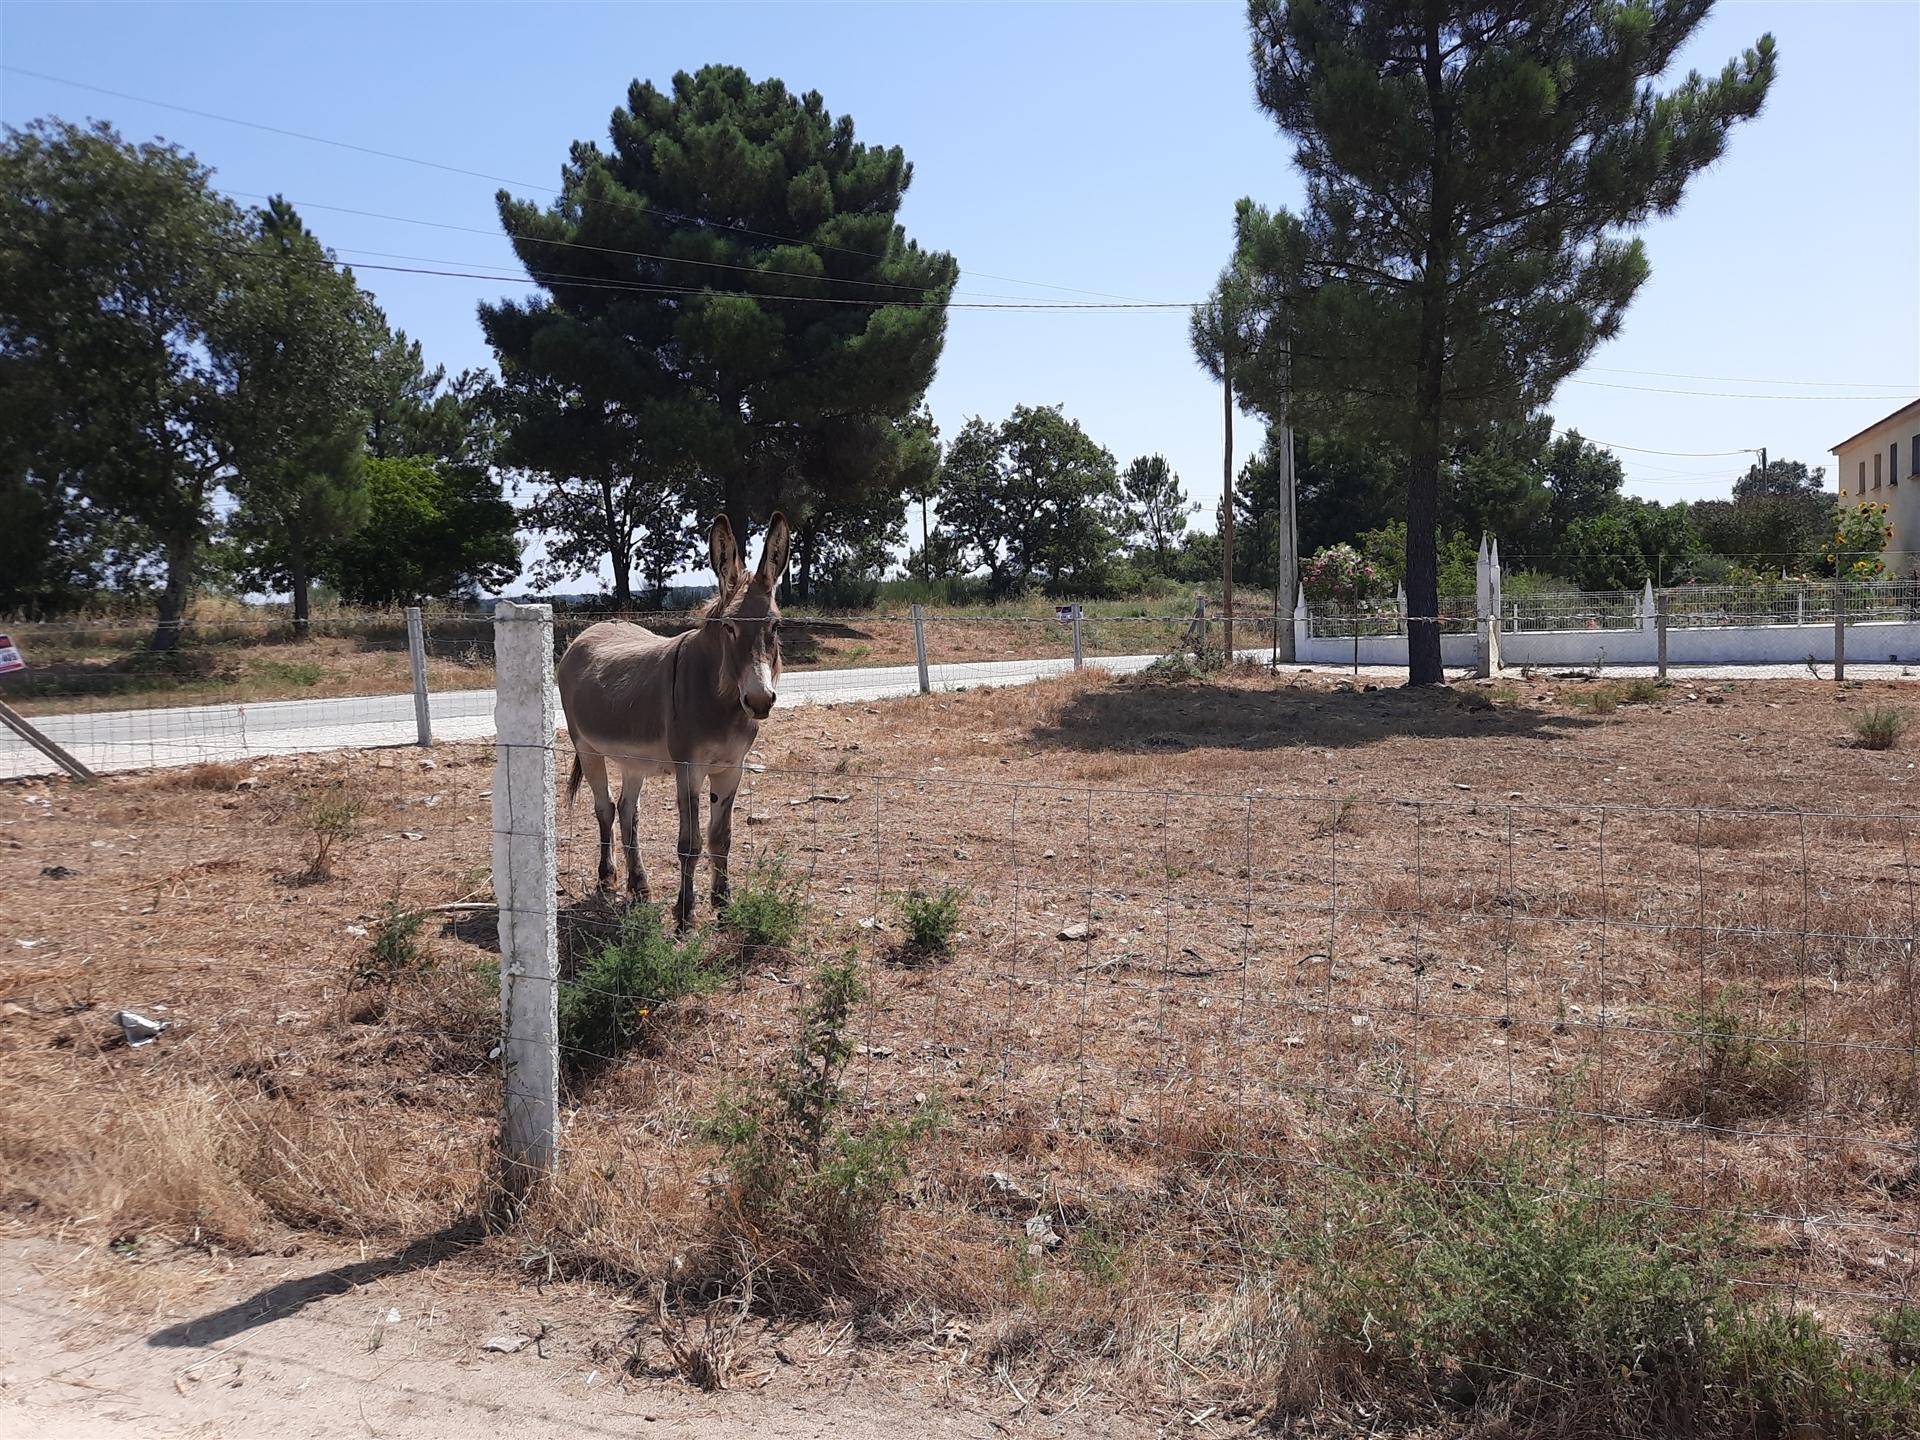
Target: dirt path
297 1351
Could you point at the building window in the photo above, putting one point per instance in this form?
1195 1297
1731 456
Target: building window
1913 454
1863 477
1876 469
1893 463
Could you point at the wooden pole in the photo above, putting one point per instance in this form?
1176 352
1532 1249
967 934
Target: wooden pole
417 658
20 726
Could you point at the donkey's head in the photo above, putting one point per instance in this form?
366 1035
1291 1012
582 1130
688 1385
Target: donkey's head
747 613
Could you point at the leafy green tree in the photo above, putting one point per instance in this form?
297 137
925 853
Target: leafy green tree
433 529
1157 508
1344 487
1778 519
1033 497
1582 480
726 280
1474 174
1630 543
113 293
297 340
920 478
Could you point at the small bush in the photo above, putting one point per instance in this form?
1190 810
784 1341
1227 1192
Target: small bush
805 1193
1879 727
393 949
301 673
1729 1072
931 919
1605 699
619 994
766 907
329 815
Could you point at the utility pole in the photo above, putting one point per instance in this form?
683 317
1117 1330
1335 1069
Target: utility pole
1226 489
1287 570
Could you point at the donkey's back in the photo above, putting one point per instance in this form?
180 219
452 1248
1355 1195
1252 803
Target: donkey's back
615 682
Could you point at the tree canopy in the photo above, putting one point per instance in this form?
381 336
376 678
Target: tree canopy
729 301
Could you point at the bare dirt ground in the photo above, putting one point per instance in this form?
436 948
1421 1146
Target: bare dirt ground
308 1350
1211 933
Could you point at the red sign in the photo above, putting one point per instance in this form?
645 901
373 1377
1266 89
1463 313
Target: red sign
10 656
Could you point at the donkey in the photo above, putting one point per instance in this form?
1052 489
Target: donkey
689 707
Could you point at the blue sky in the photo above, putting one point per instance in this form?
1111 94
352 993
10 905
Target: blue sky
1098 147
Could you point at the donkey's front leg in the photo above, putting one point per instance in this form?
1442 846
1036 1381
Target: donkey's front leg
686 786
723 786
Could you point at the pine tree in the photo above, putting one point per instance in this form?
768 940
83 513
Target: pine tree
727 287
1474 174
1158 508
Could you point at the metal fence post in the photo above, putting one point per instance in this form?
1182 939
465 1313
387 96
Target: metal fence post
1078 654
1839 628
920 648
525 879
417 654
1660 632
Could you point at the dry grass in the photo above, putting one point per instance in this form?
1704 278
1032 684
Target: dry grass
1310 906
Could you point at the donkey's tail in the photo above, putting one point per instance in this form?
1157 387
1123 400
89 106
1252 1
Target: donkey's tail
573 780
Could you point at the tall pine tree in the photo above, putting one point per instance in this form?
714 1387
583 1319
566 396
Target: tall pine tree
1474 173
728 289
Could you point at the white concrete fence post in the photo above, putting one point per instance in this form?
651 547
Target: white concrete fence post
920 648
1839 622
417 655
525 880
1079 656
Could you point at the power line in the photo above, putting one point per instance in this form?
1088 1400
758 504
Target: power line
649 288
1741 380
1644 450
1714 394
668 217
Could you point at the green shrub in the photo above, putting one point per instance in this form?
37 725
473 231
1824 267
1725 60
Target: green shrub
394 949
1605 699
329 815
804 1192
1879 727
617 996
931 919
1729 1071
303 673
1510 1285
766 907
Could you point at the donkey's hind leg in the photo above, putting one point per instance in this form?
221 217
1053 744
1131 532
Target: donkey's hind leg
629 840
686 791
593 769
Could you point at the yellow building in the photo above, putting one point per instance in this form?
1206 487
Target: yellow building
1871 466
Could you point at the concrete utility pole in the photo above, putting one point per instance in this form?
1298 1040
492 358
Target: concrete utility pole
1287 569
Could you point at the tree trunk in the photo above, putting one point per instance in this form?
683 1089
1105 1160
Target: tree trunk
301 585
1226 505
1423 471
803 590
619 548
180 553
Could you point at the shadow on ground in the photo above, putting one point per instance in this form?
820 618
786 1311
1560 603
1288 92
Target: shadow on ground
1147 716
289 1297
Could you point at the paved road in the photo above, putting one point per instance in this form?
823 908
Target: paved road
188 735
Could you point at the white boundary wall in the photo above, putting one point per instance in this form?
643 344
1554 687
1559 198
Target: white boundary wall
1869 642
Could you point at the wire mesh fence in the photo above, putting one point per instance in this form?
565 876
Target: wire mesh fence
1174 1028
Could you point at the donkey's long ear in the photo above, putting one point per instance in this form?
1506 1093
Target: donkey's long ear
773 555
724 552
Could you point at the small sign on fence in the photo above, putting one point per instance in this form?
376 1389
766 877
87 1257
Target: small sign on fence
10 656
1066 614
